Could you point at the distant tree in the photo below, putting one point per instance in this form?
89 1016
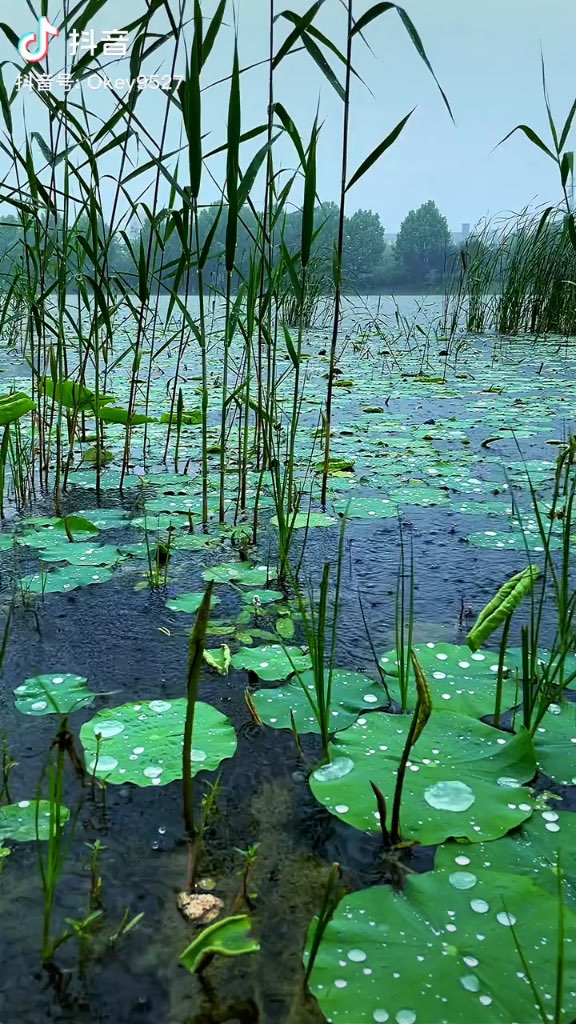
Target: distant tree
364 247
423 243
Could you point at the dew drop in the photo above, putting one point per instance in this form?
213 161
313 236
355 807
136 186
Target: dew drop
508 782
340 983
341 809
449 796
153 771
406 1017
552 826
23 803
104 764
505 919
470 961
38 705
357 956
159 706
108 729
470 983
380 1016
462 880
550 815
480 906
370 698
485 1000
337 769
198 755
463 861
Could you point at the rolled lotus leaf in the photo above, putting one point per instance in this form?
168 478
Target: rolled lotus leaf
501 606
232 936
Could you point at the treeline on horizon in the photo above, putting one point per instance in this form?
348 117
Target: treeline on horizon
417 260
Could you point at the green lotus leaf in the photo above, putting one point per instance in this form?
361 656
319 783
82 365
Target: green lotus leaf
451 787
352 693
27 820
368 508
189 603
60 581
218 659
6 542
498 539
413 494
240 572
232 936
445 950
142 742
533 850
555 742
302 520
459 680
58 693
81 554
271 662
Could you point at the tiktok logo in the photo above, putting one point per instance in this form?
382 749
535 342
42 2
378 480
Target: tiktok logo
33 47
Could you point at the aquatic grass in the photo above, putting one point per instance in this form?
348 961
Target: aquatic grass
404 619
321 631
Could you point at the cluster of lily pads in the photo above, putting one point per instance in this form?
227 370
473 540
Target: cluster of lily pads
476 938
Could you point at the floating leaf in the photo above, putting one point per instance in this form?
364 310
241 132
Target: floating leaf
81 554
368 508
142 742
451 787
60 581
301 520
27 820
53 694
442 950
272 661
532 850
188 603
352 693
555 742
460 680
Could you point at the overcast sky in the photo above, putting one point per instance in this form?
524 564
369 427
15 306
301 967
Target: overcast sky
486 55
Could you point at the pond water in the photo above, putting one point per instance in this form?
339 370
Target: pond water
433 445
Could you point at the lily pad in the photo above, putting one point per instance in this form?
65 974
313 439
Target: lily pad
352 693
81 554
142 742
555 741
28 820
60 581
451 787
459 679
189 603
272 661
240 572
303 520
532 850
444 950
58 693
498 539
369 508
411 494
